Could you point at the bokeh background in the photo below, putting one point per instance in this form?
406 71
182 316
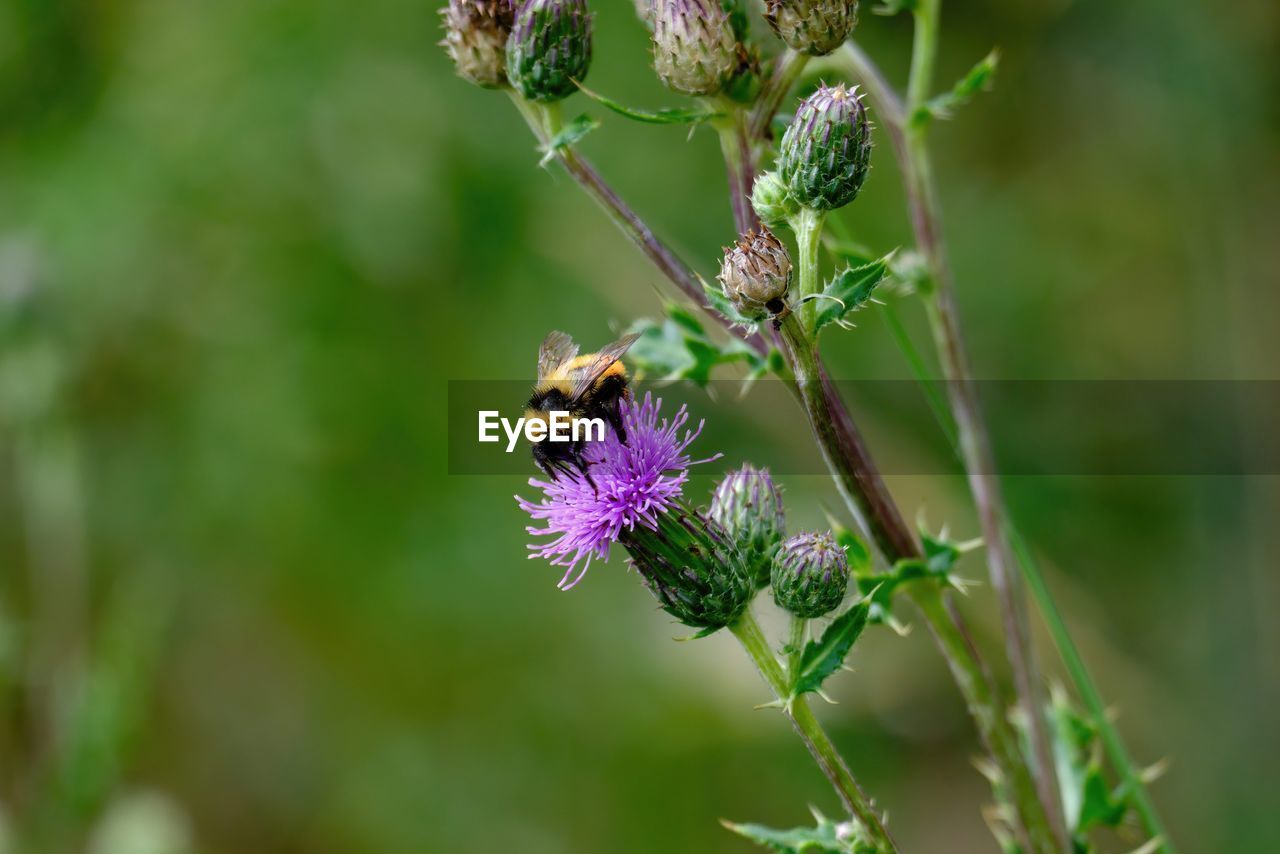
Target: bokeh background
245 607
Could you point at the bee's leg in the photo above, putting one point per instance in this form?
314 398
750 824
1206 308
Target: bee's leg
614 416
584 468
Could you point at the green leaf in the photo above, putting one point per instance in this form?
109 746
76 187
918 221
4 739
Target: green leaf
672 116
942 106
679 348
855 548
940 555
824 656
828 836
849 291
569 135
1088 799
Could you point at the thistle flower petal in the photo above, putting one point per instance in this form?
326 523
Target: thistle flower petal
634 482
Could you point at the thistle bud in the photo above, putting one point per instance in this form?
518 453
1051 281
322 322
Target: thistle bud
756 274
694 50
475 37
772 200
691 567
810 574
549 48
815 27
826 150
748 505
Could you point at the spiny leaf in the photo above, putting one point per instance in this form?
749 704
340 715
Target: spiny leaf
940 555
855 548
679 348
671 116
1088 799
848 291
824 656
828 837
717 300
569 135
942 106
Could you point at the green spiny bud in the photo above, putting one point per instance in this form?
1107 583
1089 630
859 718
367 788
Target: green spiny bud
694 50
691 567
748 505
772 200
826 150
810 574
756 274
815 27
475 37
549 48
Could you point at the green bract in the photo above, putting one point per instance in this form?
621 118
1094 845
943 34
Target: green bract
694 49
748 505
772 200
549 48
810 574
815 27
826 150
475 36
692 568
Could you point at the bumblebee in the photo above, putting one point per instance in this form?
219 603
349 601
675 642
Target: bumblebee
587 386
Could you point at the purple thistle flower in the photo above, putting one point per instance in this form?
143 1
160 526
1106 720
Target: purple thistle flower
635 482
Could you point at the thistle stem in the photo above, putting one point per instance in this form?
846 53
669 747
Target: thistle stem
1112 743
974 683
740 166
747 631
986 709
799 627
974 438
807 226
545 123
786 71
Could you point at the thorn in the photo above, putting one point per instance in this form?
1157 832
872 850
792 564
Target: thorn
1152 845
987 769
1154 771
968 545
823 695
847 669
902 629
773 704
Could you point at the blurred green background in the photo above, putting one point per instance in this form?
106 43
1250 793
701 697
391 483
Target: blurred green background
243 605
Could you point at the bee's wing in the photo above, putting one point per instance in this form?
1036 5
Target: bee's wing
556 349
602 362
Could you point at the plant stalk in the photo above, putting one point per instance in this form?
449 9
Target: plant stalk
786 71
748 632
807 226
975 446
966 666
1126 770
740 165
